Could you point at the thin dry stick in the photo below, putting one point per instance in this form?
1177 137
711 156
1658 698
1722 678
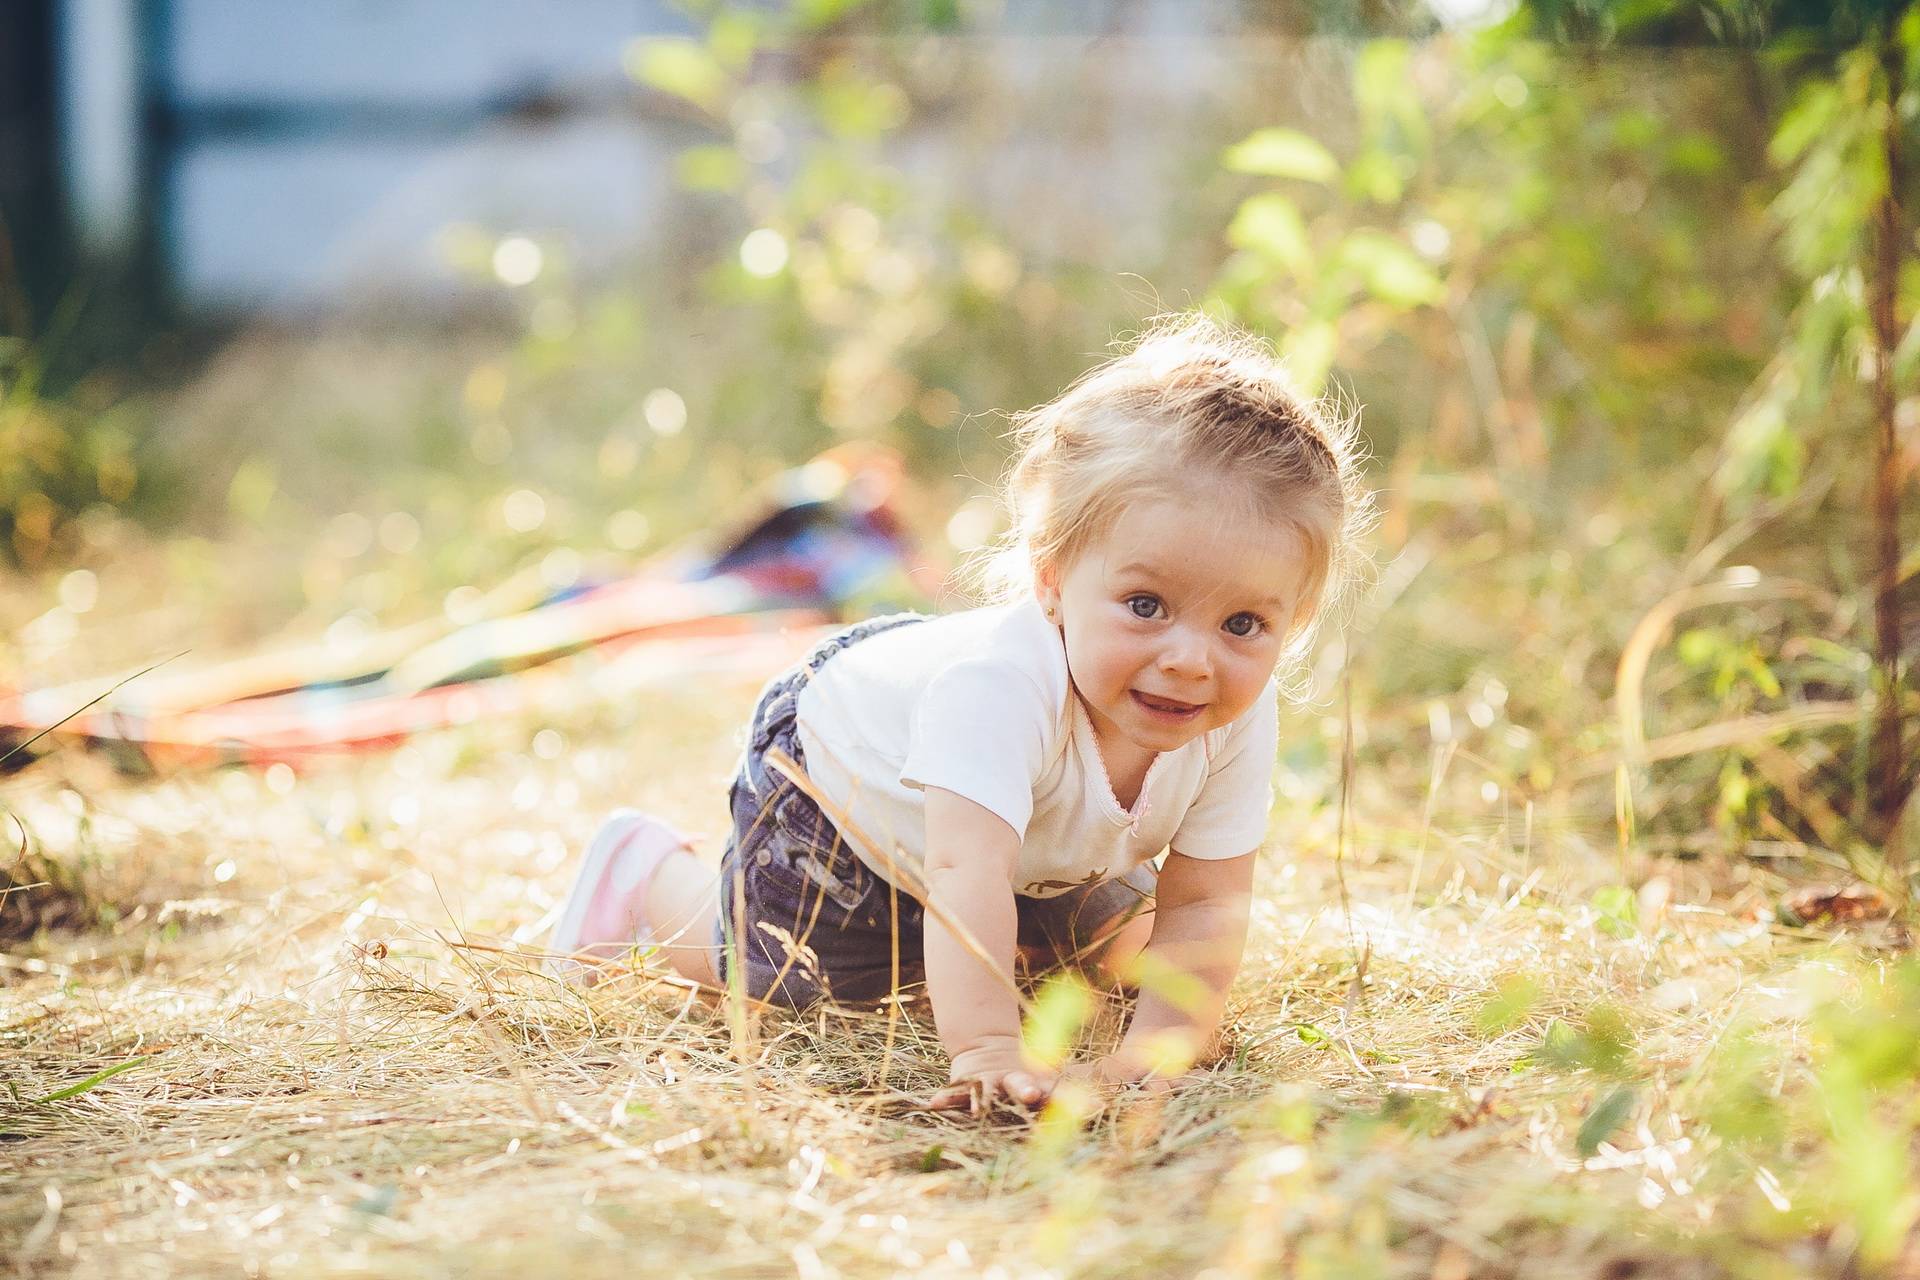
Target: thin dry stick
1526 847
893 967
797 937
1887 780
737 981
1346 809
1442 757
84 706
1630 675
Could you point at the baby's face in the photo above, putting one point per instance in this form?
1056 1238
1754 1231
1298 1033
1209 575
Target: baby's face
1174 622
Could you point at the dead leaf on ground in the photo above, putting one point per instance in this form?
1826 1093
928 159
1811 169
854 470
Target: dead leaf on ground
1836 904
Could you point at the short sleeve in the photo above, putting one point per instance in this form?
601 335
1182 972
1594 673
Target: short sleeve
1230 816
979 730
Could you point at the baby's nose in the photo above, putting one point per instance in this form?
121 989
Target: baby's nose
1186 655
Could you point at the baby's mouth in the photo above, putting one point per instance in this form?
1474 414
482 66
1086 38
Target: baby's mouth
1165 706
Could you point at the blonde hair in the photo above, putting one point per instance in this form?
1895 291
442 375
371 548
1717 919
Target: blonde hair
1207 405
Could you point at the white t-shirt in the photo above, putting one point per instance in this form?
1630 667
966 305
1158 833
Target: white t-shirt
980 703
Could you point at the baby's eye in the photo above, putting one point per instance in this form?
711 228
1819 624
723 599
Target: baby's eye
1249 625
1142 605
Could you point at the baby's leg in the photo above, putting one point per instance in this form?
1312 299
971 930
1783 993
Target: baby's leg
681 905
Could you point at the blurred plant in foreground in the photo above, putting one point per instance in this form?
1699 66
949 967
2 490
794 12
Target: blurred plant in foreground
57 456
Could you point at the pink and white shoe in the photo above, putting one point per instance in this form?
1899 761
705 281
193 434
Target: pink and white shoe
605 913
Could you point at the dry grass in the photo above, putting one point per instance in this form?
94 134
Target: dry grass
348 1064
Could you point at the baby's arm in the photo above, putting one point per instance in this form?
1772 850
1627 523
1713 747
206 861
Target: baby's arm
971 855
1199 934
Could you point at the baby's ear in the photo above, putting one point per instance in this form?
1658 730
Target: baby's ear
1046 585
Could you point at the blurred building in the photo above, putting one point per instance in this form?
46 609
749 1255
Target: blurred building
281 153
284 155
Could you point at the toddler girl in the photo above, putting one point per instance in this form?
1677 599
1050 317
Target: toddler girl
997 783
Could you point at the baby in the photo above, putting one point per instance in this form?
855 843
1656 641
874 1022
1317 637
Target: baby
930 798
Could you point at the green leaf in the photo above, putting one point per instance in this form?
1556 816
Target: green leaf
811 15
1282 153
1310 1034
379 1202
1058 1013
1696 154
1384 86
941 15
1804 123
1183 990
1374 175
1607 1115
733 37
1618 909
1391 271
1604 1043
1698 647
1271 226
1762 674
710 168
1308 354
75 1090
1508 1007
852 106
682 67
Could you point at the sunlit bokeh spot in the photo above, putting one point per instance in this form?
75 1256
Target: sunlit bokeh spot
463 605
517 261
973 523
991 269
349 534
665 411
79 591
937 406
760 141
855 229
892 272
560 568
764 252
628 529
486 387
1431 239
1471 13
524 510
348 631
548 744
280 778
819 480
619 455
399 532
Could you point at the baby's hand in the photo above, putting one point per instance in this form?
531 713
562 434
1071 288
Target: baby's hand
1115 1072
989 1071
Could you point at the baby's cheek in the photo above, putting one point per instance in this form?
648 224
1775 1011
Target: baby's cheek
1109 671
